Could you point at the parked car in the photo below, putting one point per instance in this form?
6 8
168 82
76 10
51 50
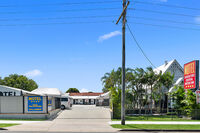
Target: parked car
66 102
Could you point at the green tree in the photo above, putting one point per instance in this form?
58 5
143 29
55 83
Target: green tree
72 90
184 101
19 81
109 80
168 80
112 82
190 103
113 79
1 81
115 101
151 80
178 96
159 90
137 82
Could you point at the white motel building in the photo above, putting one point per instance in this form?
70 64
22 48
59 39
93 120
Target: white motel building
19 104
85 98
94 98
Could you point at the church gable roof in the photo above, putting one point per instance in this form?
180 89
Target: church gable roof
163 68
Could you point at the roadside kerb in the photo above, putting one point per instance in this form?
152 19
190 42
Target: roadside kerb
17 122
156 130
156 122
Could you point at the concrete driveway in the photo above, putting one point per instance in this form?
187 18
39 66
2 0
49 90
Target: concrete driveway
81 118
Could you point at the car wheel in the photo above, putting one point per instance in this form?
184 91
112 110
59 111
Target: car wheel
62 107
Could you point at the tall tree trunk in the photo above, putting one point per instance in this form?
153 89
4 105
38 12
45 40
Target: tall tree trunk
163 102
167 103
140 103
151 101
146 98
160 103
160 100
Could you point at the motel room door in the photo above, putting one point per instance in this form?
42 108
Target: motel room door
89 101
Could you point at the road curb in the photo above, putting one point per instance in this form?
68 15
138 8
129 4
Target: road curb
3 129
154 130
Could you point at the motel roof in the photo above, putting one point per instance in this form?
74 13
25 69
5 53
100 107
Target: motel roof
104 95
48 91
84 97
66 95
86 94
23 92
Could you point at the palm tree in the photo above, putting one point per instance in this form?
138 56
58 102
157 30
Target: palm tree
151 80
114 78
158 87
115 101
112 83
138 86
109 80
168 80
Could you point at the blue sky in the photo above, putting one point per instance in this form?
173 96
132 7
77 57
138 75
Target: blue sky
78 55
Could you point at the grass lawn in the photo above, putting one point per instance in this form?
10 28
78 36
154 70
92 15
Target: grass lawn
7 125
155 118
155 126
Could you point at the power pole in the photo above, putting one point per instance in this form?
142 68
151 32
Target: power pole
123 14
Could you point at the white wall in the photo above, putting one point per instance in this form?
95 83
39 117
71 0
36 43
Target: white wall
8 91
11 104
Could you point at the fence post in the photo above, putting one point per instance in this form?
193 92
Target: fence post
47 104
23 104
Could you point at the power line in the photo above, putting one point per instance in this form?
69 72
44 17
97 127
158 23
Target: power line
165 26
160 12
72 10
57 18
166 5
63 4
58 23
163 20
140 47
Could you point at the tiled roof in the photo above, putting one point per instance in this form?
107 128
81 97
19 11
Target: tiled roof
85 94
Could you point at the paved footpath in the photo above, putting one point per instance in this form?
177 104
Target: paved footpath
81 118
17 121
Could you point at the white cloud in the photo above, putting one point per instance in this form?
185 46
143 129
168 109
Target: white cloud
197 19
33 73
84 90
108 36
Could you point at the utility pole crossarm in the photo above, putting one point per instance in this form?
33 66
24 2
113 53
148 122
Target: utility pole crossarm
123 12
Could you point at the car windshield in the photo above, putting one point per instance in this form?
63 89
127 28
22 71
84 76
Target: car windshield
64 99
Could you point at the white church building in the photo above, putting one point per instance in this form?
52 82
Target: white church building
175 69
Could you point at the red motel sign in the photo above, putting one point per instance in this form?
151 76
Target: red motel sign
191 75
